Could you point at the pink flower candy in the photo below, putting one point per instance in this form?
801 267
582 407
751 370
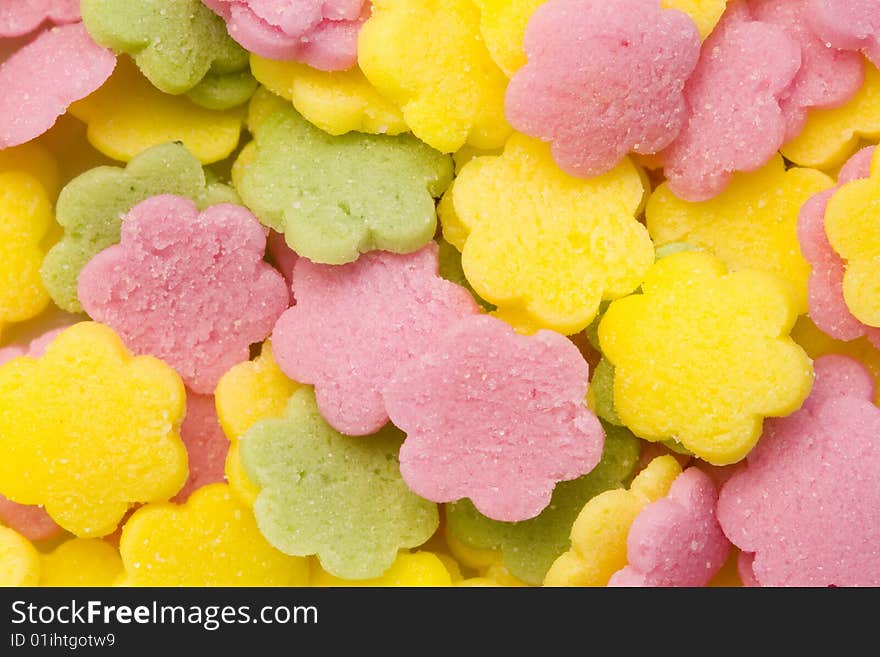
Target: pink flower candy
848 25
20 17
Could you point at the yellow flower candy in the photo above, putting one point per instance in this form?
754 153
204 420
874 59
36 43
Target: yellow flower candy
703 356
598 536
19 560
87 430
212 540
503 25
81 562
545 247
416 569
751 225
427 57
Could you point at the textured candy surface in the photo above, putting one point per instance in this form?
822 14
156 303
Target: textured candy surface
503 26
409 569
829 535
603 79
19 560
18 18
334 496
44 77
848 25
88 468
81 562
212 540
337 197
90 209
495 417
684 349
545 247
381 312
450 92
187 287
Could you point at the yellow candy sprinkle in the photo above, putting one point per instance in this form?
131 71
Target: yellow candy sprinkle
247 393
503 25
751 225
427 57
81 562
335 101
128 115
416 569
212 540
703 355
25 219
545 247
19 560
854 232
706 13
87 430
831 136
598 536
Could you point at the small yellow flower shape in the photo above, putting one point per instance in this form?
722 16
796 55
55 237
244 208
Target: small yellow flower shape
427 56
503 25
831 136
25 218
409 569
212 540
248 392
128 115
854 232
544 247
598 536
335 101
751 225
703 356
87 430
19 560
706 13
81 562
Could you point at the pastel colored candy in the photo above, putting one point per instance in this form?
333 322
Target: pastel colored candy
829 536
179 45
191 288
494 416
29 520
529 548
90 209
676 541
705 13
502 26
337 197
44 77
547 259
18 18
599 533
596 100
828 307
320 33
827 78
848 25
212 540
451 93
87 469
127 115
206 445
831 136
734 122
851 228
337 497
683 349
381 312
751 225
19 560
81 562
335 101
409 569
25 220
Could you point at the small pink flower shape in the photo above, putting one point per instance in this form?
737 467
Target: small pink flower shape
20 17
353 324
42 78
603 79
676 541
320 33
496 417
734 120
206 445
848 25
189 288
828 308
828 77
806 502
